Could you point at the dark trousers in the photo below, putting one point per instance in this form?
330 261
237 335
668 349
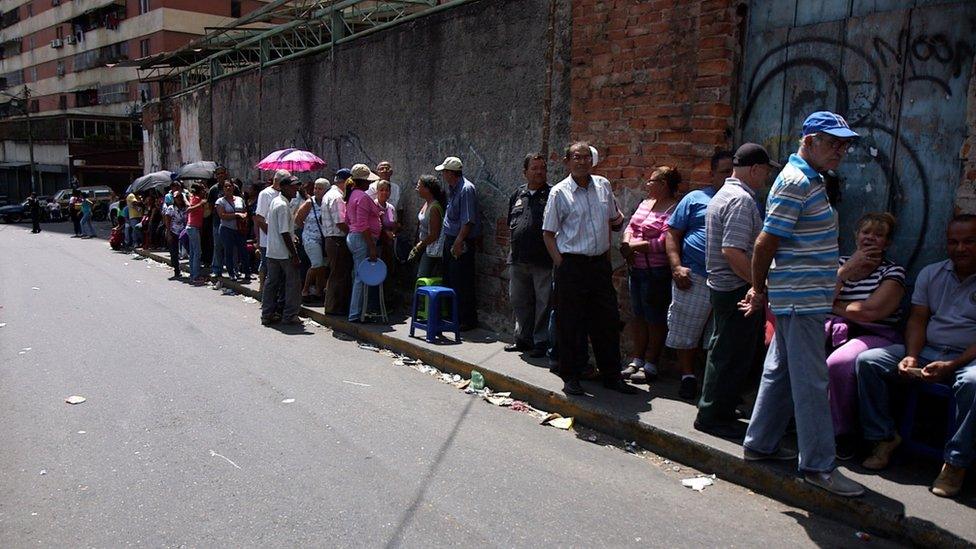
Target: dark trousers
736 342
338 289
76 221
282 280
587 305
459 276
207 242
233 242
36 222
174 252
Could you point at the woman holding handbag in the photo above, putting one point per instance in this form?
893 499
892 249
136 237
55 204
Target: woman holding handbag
309 217
429 223
233 216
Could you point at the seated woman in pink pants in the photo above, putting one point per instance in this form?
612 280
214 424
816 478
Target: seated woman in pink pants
865 316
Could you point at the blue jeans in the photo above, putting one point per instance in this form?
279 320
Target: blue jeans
876 367
233 241
133 235
86 225
193 234
359 250
794 384
218 247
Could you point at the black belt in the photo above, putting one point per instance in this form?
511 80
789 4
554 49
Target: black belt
585 258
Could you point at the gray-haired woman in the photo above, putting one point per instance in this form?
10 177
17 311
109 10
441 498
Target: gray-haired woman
309 217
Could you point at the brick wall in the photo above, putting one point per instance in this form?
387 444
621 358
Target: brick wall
652 84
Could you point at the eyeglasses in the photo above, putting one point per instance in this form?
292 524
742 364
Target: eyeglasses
833 142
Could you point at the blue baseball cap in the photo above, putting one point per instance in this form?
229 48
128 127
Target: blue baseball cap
342 174
829 123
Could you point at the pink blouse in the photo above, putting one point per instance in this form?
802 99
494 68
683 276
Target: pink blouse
363 214
649 226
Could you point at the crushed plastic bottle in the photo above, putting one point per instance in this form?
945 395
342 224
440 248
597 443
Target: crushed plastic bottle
477 380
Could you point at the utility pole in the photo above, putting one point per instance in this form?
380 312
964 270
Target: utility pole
30 140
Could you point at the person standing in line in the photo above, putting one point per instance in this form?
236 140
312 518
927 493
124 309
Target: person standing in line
309 216
363 217
685 244
800 234
34 209
733 221
462 228
133 234
576 226
174 216
265 197
530 267
87 228
194 226
74 213
283 261
338 286
384 171
232 212
430 231
649 277
213 248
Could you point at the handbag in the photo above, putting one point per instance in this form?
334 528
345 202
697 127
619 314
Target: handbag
318 223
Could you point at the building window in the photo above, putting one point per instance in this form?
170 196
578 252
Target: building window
86 98
59 30
35 106
62 102
30 9
144 48
30 42
143 6
34 73
235 8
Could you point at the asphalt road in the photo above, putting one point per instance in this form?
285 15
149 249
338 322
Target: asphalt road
186 438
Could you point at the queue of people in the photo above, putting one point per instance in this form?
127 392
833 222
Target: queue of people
717 269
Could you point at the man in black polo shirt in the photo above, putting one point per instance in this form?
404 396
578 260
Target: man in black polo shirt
530 267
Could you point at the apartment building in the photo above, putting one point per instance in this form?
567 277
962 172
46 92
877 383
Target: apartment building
63 66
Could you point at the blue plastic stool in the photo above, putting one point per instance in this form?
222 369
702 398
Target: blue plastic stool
434 325
429 281
907 427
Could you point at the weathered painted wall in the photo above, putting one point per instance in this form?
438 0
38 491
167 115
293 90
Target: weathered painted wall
468 82
900 75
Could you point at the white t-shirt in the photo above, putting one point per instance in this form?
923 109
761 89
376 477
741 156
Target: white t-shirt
333 212
394 193
264 204
279 221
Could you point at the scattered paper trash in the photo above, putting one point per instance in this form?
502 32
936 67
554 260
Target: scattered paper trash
557 421
34 288
25 349
43 471
698 483
368 347
21 352
499 399
288 401
863 536
82 432
249 299
75 399
228 291
2 324
632 447
356 383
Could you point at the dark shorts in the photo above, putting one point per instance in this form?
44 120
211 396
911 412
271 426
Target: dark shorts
650 293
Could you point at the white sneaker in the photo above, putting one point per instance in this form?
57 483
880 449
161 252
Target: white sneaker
835 483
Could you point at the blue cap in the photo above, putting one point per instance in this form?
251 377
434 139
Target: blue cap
343 173
829 123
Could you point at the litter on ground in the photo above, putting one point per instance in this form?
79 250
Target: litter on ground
288 401
75 399
557 421
698 483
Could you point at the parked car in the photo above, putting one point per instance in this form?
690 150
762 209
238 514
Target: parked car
101 195
18 212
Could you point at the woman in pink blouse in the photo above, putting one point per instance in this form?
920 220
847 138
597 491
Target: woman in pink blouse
363 218
650 275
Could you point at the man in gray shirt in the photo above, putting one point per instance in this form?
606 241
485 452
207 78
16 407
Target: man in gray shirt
940 347
732 223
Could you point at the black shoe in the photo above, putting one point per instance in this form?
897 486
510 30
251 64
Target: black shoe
722 430
514 347
689 388
573 387
267 321
620 386
468 327
537 353
846 447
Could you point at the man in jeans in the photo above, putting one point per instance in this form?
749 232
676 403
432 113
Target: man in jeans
462 229
263 206
940 346
530 267
282 258
800 231
733 221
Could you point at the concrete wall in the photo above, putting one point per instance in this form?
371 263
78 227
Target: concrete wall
467 82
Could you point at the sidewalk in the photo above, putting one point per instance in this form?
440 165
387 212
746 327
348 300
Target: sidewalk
898 504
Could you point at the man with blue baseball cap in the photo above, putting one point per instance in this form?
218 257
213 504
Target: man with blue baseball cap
800 233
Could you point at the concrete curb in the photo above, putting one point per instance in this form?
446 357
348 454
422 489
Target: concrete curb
760 478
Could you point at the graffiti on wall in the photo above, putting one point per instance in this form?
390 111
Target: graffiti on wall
900 78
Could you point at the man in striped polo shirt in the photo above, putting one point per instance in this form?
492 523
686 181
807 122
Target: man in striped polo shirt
800 233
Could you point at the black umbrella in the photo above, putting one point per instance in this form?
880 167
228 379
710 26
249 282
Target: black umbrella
203 169
156 180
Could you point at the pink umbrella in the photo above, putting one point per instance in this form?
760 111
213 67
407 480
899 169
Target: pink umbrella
293 160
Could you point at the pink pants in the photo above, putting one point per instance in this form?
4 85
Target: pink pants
843 380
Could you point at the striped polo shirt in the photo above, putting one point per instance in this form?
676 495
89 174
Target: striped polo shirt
732 221
804 271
